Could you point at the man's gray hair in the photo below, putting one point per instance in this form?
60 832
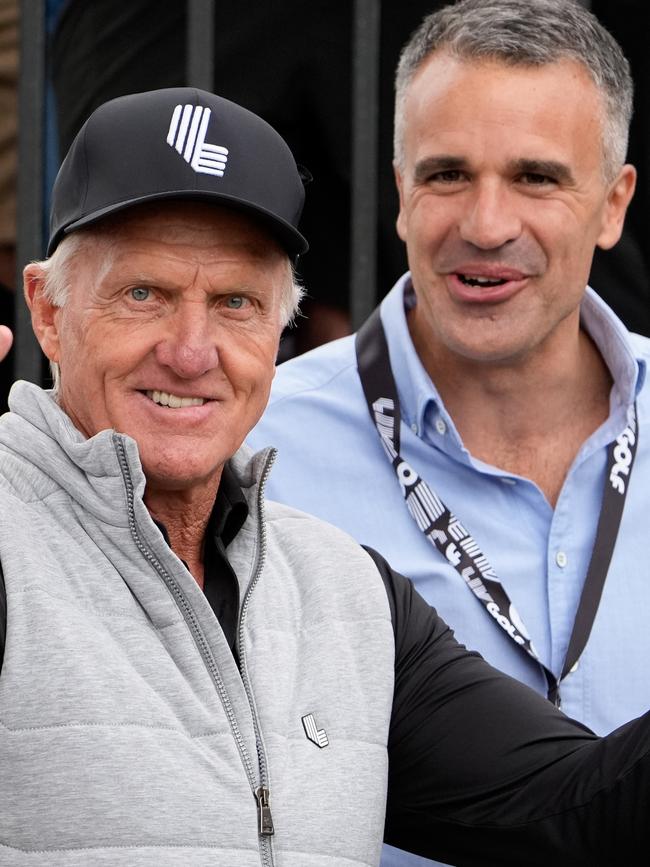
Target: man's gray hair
58 270
526 33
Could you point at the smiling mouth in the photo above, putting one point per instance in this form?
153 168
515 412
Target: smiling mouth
487 282
174 401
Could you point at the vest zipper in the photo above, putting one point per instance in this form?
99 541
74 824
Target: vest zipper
262 794
264 813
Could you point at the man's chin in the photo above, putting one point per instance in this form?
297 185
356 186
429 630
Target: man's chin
179 474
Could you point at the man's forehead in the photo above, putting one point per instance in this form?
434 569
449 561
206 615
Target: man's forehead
451 94
443 65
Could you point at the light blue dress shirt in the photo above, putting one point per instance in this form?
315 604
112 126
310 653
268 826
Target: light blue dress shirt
332 464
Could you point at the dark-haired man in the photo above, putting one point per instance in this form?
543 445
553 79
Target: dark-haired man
486 429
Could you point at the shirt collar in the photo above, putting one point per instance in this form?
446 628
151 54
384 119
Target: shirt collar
415 389
230 509
418 395
615 344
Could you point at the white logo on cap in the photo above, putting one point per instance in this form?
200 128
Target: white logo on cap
187 131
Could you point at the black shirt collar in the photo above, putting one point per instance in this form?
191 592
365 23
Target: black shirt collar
229 512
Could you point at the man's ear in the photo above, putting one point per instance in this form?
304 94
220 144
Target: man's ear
45 315
401 217
618 198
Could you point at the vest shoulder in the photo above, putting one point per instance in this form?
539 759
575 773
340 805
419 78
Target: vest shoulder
287 519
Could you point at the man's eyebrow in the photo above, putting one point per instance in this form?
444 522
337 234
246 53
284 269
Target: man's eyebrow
441 163
447 162
550 168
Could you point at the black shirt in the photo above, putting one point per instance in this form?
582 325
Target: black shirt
220 585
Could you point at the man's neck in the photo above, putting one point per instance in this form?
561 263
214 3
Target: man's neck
185 515
530 416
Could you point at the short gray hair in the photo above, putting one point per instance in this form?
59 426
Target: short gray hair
526 33
58 270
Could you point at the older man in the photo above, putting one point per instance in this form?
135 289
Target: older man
192 676
507 397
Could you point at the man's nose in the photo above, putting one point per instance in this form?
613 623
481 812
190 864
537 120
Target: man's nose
189 346
490 219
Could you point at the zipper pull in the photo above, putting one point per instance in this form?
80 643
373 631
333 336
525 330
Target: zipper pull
265 825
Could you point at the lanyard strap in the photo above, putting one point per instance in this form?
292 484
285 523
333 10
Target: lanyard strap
448 535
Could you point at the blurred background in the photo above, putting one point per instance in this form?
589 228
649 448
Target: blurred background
321 73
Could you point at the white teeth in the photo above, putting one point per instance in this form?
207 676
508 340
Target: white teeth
164 398
480 281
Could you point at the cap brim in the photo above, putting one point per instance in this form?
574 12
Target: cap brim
290 238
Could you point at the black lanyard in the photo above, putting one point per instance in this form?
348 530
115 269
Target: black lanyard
446 532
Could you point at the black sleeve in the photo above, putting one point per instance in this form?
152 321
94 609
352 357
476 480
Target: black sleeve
3 616
484 771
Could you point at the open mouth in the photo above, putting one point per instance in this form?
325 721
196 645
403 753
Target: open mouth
487 282
174 401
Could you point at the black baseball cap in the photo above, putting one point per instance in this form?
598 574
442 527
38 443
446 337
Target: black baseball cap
178 143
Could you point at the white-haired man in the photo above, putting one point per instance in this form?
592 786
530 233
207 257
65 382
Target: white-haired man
191 675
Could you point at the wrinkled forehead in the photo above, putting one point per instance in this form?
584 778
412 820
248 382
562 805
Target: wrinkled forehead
186 230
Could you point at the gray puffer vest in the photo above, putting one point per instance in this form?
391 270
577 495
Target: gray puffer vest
128 735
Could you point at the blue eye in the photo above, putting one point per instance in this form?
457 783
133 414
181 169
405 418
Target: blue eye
140 293
235 302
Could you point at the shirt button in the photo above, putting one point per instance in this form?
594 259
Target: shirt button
561 559
506 481
414 428
441 427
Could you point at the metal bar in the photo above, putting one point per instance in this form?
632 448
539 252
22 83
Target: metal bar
365 133
200 44
29 226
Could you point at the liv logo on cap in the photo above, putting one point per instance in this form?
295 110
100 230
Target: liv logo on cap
178 143
187 131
